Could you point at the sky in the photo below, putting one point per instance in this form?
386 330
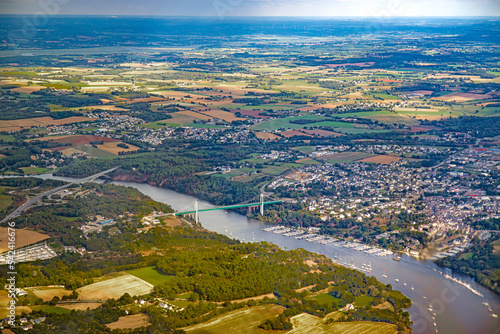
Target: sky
226 8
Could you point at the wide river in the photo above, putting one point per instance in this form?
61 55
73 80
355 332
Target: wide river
439 304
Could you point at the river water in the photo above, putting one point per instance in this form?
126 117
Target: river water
456 309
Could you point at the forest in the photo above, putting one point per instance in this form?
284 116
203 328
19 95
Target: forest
175 171
479 261
211 266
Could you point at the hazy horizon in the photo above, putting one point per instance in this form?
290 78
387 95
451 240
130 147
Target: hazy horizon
257 8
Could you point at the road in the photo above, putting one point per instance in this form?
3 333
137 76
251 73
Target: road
32 201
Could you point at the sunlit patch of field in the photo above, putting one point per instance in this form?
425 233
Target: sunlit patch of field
50 309
308 324
323 133
292 133
347 157
221 114
28 89
47 293
130 322
35 170
18 124
193 114
115 288
179 118
19 310
104 107
266 135
354 96
391 119
463 97
149 274
179 95
241 90
95 89
109 83
243 321
112 147
79 306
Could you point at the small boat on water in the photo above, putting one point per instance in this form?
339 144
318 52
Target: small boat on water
412 287
396 280
384 276
404 283
494 315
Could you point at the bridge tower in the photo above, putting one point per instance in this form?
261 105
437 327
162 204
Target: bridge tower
262 204
196 217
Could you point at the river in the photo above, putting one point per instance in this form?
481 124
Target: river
456 309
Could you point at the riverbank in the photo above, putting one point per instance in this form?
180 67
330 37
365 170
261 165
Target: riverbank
458 310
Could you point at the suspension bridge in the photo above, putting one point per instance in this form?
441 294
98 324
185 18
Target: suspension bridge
194 213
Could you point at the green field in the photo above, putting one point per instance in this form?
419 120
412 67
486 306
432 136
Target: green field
95 152
275 170
7 138
50 309
150 275
5 199
157 125
304 149
326 299
35 170
363 300
347 157
466 256
243 321
284 123
385 96
397 294
181 303
205 126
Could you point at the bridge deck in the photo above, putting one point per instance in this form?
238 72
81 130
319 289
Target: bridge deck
228 207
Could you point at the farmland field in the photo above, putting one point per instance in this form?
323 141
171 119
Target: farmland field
308 324
23 238
115 288
47 293
266 135
18 124
363 300
50 309
7 138
130 322
347 157
95 152
381 159
35 170
326 298
5 199
150 275
159 125
221 114
77 139
244 321
79 306
112 148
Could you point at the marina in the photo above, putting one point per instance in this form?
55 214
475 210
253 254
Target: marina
461 312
